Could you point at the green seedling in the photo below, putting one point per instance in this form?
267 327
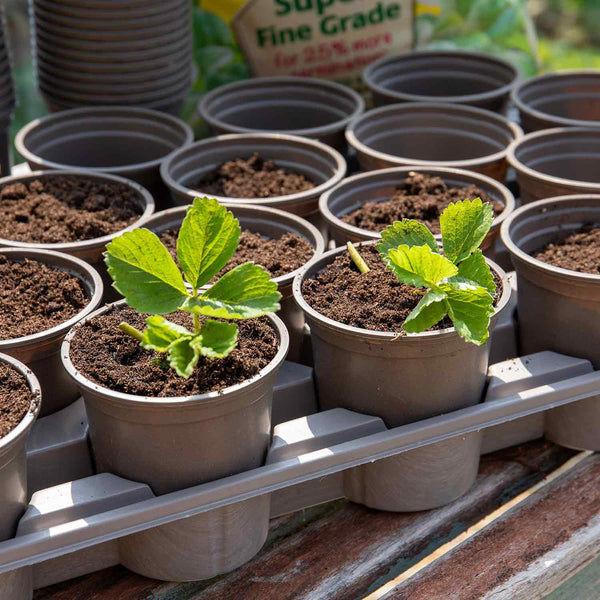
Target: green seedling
144 273
458 283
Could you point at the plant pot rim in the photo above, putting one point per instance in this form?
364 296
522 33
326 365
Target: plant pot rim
34 407
559 121
332 219
79 265
543 206
94 112
367 76
294 140
147 200
312 234
382 336
337 125
170 401
521 167
442 109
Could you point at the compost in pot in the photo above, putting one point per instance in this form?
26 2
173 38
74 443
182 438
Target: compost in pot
16 399
578 251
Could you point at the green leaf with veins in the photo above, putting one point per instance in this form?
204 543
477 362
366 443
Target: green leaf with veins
217 339
419 266
474 268
183 356
160 334
407 232
430 310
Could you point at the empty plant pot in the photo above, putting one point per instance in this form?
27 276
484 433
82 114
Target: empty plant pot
445 135
457 77
556 162
562 99
379 186
303 106
41 351
126 141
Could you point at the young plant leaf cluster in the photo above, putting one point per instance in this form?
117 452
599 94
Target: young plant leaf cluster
144 272
459 283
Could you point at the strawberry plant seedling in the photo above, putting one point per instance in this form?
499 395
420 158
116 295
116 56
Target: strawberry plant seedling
144 273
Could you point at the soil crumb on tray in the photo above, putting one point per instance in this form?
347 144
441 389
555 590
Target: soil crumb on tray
106 355
375 300
15 398
423 197
278 256
252 178
65 208
35 297
578 251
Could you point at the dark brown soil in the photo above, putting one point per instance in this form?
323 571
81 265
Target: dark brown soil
423 197
579 251
35 297
15 399
279 256
373 300
104 354
64 208
252 178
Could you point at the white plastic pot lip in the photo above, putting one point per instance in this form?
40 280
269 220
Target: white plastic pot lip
34 407
311 233
94 113
557 76
544 206
146 197
368 74
286 81
506 195
293 140
442 109
382 336
78 266
171 401
521 167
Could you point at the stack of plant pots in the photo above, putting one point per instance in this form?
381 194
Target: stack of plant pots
113 53
7 99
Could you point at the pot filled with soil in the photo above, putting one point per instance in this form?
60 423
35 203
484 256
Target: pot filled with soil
555 248
187 399
304 106
562 99
279 241
443 135
43 294
378 333
456 77
556 162
279 171
362 206
124 141
74 212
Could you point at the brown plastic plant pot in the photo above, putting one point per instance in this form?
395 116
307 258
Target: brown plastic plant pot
91 251
271 223
41 351
175 443
389 376
445 135
303 106
13 467
379 186
556 162
108 10
125 141
562 99
456 77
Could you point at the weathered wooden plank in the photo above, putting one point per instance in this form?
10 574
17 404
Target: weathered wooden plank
584 585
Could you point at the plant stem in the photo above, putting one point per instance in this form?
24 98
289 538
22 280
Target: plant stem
130 330
357 259
196 318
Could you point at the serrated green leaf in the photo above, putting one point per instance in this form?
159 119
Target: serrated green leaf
207 240
470 307
160 334
144 272
430 310
419 266
217 339
407 232
474 268
183 356
464 226
243 293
